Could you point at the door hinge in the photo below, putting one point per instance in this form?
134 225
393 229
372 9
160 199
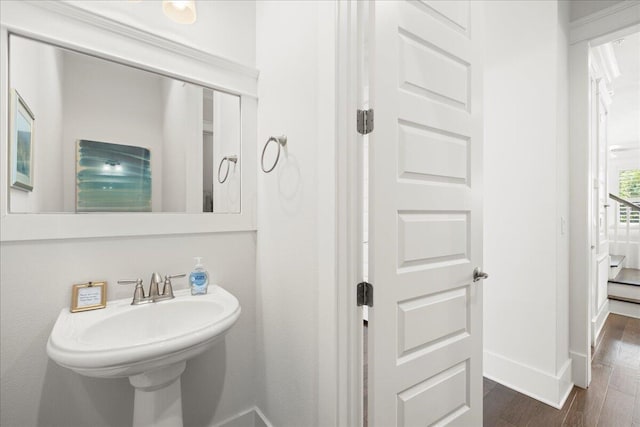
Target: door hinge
365 121
365 294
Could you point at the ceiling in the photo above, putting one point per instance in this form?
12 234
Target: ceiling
624 114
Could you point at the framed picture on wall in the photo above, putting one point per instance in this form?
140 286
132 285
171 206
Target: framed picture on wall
21 143
112 177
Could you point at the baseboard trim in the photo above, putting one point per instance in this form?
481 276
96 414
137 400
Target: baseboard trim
597 323
624 308
252 417
262 418
565 382
552 390
579 369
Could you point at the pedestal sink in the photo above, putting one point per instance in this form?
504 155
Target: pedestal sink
148 343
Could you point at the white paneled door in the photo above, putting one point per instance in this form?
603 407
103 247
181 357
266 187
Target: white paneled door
601 263
425 214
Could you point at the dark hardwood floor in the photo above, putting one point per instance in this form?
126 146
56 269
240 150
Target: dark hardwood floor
612 399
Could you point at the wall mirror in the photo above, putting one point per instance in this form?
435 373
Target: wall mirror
113 138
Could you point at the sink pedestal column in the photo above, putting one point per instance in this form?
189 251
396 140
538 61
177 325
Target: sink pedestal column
158 397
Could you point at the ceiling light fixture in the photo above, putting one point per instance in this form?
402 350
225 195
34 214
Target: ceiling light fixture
181 11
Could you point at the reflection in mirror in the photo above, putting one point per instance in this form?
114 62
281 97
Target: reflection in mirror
114 138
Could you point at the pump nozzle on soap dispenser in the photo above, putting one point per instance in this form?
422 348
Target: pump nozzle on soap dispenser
199 278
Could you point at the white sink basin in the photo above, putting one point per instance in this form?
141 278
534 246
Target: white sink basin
148 343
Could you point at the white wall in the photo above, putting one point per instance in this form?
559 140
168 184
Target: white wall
37 74
36 277
294 239
526 183
108 102
226 142
562 185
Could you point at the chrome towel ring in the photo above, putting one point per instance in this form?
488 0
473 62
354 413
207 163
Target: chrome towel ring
229 159
282 141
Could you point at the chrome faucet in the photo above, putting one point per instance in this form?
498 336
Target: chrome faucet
154 295
153 286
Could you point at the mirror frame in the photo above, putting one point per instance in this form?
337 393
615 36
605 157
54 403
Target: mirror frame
71 27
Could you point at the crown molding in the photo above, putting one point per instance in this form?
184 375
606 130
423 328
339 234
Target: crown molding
619 16
617 7
119 28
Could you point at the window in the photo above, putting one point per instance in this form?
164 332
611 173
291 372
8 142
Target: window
629 184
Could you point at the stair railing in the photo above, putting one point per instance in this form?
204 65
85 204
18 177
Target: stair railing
629 208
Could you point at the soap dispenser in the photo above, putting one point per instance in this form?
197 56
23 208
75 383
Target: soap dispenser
199 278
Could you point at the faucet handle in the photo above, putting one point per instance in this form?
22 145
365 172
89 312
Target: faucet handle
167 290
138 293
130 281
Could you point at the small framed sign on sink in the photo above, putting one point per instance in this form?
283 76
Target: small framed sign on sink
88 296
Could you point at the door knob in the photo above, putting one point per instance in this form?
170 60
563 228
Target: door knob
477 275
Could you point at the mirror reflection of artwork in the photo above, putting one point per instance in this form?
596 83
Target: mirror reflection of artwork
23 164
189 129
112 177
22 145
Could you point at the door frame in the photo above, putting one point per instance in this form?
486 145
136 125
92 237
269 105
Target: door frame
347 403
340 342
601 27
